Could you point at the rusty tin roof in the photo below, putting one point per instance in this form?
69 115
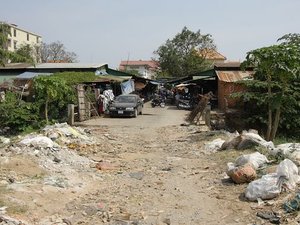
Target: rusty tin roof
233 76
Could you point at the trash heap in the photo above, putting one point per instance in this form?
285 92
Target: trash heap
53 146
248 168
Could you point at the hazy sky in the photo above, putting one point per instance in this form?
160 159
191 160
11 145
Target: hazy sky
108 31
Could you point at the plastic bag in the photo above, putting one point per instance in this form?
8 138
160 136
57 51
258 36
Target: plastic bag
214 145
264 188
256 159
38 141
287 174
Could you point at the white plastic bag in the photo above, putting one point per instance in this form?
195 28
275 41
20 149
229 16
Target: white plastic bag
214 145
256 159
264 188
38 141
288 150
287 174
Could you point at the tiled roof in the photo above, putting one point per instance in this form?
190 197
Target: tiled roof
211 54
149 63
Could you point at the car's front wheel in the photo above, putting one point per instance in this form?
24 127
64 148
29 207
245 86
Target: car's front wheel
135 113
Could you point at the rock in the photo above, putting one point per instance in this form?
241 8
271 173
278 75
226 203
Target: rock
105 166
137 175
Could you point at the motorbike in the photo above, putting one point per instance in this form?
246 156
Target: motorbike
158 101
188 104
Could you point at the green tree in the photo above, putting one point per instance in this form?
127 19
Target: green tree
6 55
25 51
180 56
277 68
52 92
4 33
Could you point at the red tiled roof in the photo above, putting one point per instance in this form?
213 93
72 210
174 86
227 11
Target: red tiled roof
211 54
149 63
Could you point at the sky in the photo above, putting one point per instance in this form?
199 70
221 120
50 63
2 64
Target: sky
108 31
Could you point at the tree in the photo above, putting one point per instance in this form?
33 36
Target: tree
277 67
180 56
51 90
56 52
4 33
25 51
7 56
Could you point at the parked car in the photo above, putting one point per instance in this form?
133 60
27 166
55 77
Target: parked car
126 105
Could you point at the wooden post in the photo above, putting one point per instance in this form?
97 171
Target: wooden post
71 114
207 115
81 102
88 111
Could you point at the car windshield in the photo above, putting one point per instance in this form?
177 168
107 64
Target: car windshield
127 99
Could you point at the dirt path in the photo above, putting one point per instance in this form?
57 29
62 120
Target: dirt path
153 171
176 182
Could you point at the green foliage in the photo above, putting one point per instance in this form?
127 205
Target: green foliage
24 54
180 56
73 78
18 115
272 97
54 94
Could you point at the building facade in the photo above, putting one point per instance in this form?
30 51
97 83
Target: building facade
145 68
20 37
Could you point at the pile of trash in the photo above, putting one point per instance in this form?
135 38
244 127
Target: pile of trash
271 185
246 167
53 146
243 170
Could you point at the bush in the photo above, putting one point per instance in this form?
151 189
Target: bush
18 115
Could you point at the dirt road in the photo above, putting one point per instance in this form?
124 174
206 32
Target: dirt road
144 170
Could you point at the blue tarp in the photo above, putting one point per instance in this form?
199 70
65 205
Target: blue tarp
127 87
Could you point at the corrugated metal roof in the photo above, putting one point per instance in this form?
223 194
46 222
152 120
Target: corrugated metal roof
233 76
29 75
228 64
15 66
67 65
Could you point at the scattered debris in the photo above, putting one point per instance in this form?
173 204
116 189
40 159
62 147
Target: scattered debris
214 145
273 217
105 166
292 205
270 185
264 188
137 175
256 159
247 139
288 150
